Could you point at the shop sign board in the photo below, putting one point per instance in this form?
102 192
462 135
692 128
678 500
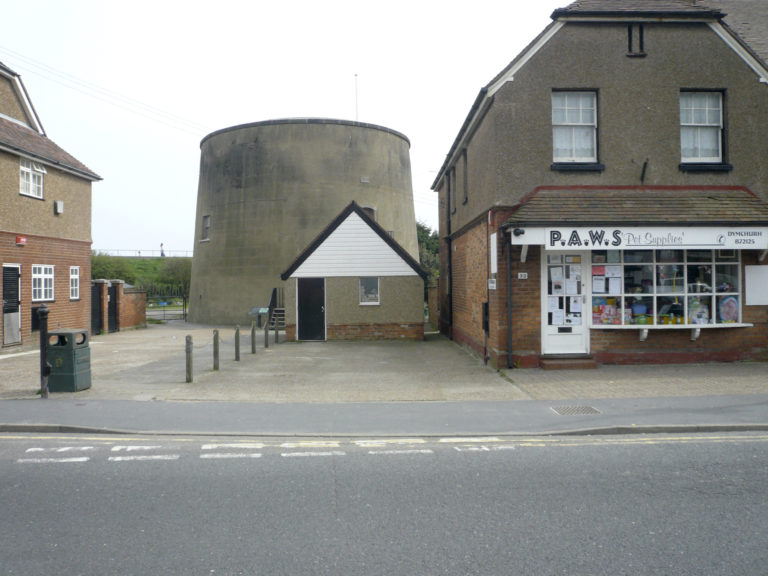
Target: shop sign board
647 238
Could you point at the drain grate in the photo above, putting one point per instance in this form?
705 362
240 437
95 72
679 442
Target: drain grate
575 410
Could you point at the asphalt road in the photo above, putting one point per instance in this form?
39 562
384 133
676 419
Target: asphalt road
657 504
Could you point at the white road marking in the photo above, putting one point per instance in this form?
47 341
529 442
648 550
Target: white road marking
143 458
243 446
388 442
460 440
61 449
134 448
311 444
310 454
395 452
52 460
483 448
224 455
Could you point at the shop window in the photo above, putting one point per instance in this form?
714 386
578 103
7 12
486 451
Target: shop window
666 287
574 127
369 291
701 127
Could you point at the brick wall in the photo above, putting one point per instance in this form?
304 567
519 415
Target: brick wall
61 254
132 309
393 331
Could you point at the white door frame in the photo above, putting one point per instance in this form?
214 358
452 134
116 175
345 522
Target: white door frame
565 308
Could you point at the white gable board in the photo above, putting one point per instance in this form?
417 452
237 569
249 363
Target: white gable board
353 249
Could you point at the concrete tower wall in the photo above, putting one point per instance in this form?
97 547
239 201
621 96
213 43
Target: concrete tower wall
267 189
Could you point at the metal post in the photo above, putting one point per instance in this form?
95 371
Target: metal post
237 343
276 327
189 358
215 349
253 337
45 368
266 335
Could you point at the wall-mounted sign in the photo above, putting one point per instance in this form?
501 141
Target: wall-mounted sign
646 238
21 240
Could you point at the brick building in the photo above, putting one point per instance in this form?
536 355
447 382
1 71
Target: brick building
605 198
45 222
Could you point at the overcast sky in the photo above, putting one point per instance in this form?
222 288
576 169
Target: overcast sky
130 88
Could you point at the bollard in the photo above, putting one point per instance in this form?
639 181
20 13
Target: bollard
253 337
45 368
266 335
215 349
276 331
189 358
237 343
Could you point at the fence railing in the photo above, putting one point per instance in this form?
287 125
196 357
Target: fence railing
165 308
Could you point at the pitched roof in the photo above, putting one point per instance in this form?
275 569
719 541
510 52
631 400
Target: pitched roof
638 8
660 205
18 138
353 207
748 19
24 141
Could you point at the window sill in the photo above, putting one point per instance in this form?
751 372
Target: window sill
32 196
668 326
577 167
689 167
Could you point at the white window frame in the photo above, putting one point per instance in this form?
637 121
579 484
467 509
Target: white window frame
709 121
574 114
31 178
74 282
367 296
42 282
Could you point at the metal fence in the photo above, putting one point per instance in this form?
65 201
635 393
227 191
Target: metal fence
164 308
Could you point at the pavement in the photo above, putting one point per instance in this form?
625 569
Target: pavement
375 388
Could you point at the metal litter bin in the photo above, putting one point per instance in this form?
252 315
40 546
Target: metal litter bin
69 355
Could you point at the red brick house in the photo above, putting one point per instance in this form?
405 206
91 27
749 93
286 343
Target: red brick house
45 222
605 198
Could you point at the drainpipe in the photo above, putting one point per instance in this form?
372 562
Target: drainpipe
487 288
508 247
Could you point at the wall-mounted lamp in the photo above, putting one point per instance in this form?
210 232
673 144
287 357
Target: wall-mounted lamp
518 232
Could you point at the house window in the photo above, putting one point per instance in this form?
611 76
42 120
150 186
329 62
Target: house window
666 287
42 282
701 127
369 291
74 282
31 178
205 234
574 126
451 182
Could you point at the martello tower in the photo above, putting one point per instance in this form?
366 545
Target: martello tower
267 189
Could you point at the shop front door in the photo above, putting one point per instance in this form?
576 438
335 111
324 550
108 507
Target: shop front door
564 311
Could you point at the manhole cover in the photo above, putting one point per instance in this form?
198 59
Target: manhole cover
575 410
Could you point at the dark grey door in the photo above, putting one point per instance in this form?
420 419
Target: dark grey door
11 305
311 308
